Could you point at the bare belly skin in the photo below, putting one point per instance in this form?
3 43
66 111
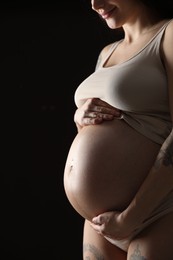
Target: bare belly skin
105 167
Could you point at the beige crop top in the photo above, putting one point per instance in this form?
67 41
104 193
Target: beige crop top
137 86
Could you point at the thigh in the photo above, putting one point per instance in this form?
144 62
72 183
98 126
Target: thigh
96 247
155 242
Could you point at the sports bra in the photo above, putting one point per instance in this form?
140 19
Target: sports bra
137 86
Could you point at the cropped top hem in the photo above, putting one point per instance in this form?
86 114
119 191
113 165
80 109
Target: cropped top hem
146 129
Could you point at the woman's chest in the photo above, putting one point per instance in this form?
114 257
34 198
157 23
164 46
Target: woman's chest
136 85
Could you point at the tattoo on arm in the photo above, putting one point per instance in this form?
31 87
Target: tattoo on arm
165 156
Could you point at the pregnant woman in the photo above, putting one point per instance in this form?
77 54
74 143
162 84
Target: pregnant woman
119 171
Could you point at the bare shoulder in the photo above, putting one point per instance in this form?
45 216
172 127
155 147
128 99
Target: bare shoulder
170 25
169 29
168 38
103 54
167 45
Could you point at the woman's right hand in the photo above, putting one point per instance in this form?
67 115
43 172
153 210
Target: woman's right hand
94 111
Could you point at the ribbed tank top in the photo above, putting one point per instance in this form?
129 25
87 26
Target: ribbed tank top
137 86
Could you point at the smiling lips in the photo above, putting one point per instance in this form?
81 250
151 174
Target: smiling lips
106 15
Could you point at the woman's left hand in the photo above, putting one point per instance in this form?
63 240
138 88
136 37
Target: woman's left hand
112 225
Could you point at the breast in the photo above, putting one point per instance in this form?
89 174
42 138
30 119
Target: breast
105 166
123 86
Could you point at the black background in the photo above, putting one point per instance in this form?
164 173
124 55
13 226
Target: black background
46 51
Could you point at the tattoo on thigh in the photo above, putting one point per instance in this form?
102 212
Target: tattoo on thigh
137 255
90 252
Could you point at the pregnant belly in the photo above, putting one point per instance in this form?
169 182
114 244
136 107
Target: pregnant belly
105 166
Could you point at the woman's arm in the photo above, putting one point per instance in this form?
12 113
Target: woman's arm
156 186
159 181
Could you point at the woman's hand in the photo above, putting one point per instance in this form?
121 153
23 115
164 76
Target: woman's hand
113 225
95 111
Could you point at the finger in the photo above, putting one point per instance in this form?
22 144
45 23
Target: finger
100 229
95 227
91 114
100 102
107 110
92 121
107 117
100 106
99 220
99 115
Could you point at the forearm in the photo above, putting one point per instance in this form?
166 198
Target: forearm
156 186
